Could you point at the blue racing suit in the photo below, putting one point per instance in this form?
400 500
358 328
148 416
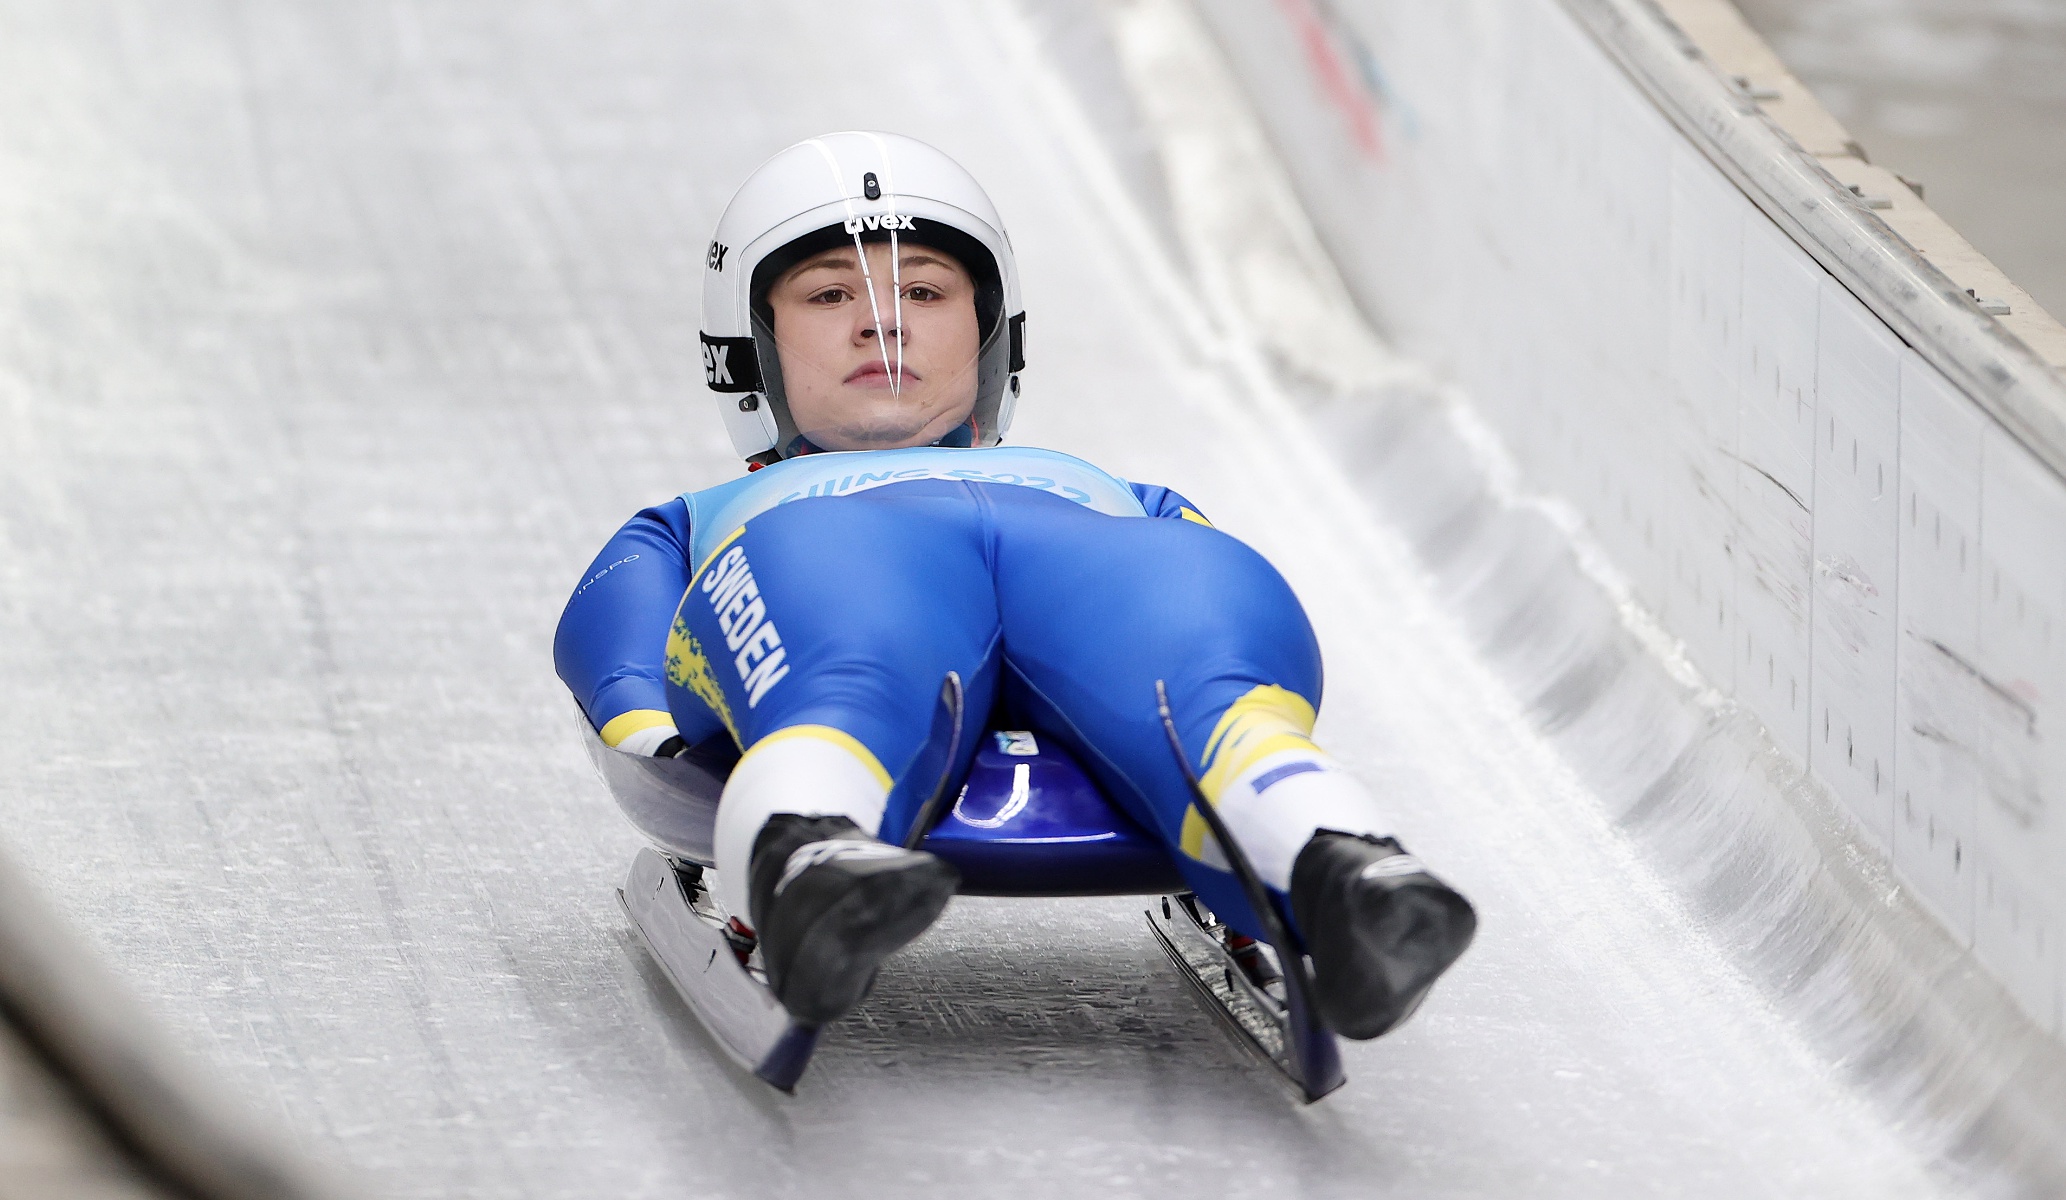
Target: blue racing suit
838 590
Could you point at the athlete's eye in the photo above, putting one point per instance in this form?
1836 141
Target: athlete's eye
922 293
837 294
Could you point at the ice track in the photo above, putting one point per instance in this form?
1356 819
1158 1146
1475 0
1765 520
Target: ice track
335 338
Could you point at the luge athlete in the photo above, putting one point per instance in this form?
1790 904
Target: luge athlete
864 336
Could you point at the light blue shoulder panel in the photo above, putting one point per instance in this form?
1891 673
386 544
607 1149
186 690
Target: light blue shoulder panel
715 512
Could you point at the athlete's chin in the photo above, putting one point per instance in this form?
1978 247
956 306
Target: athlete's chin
873 439
888 432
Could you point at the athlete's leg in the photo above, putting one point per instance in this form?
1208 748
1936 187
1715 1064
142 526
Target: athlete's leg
1095 611
821 633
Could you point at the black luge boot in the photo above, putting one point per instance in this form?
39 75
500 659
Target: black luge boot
1380 929
830 903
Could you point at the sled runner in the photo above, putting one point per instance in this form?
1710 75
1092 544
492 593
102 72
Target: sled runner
1026 822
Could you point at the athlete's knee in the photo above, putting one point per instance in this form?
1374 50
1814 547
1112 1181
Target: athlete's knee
1220 586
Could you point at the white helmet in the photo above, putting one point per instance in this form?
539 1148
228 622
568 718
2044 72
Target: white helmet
833 190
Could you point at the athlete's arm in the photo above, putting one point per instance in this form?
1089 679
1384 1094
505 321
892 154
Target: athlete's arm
1162 502
611 646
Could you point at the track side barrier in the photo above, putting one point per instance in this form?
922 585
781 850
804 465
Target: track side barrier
1824 469
1749 502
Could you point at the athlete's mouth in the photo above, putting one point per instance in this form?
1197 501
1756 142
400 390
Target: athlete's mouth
876 375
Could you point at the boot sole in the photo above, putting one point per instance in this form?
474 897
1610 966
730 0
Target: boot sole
880 915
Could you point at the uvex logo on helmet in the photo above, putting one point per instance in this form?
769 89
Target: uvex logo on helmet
716 369
885 221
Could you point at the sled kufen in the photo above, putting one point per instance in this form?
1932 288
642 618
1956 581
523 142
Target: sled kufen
1024 820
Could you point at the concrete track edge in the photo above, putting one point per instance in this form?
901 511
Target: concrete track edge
1902 287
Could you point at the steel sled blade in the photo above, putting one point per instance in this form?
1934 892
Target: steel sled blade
684 930
1309 1054
1261 1018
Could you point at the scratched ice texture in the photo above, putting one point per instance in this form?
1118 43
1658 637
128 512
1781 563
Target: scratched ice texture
335 338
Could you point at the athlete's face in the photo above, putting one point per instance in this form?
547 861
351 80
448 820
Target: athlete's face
878 358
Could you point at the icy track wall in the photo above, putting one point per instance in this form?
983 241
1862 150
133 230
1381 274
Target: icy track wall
1822 468
1756 408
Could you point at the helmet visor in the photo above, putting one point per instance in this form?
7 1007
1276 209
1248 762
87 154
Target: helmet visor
878 338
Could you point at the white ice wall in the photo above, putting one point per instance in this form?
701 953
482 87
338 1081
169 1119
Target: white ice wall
1848 543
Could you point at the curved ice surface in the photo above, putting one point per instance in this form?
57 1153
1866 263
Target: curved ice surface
338 337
